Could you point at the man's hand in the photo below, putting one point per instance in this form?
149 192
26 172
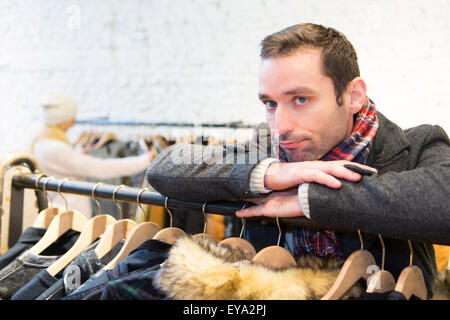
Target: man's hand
283 176
277 204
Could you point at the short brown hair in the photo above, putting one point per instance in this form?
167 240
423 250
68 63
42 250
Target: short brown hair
340 61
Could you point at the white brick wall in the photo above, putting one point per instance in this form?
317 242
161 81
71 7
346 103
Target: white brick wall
197 60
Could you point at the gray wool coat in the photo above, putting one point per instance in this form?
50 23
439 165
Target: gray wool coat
409 198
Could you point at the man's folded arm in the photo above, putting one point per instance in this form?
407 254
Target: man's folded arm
209 173
412 204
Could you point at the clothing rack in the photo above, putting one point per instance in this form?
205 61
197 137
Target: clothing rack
107 191
107 122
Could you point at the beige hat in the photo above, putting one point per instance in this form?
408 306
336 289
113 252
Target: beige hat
59 108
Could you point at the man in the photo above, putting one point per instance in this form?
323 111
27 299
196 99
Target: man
321 120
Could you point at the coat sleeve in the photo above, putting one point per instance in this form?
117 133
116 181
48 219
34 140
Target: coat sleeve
63 159
194 172
412 204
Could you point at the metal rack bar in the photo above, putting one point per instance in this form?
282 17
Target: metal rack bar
130 194
106 122
126 194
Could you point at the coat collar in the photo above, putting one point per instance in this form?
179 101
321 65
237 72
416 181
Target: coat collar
389 144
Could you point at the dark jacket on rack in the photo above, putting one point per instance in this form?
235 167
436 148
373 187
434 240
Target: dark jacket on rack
407 199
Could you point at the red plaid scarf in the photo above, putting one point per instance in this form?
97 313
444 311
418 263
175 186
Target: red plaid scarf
355 148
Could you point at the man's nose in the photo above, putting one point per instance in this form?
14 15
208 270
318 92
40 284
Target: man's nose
283 120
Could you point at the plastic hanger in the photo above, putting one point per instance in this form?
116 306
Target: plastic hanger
382 280
410 281
141 233
116 232
171 234
356 267
240 243
45 217
205 235
275 257
63 222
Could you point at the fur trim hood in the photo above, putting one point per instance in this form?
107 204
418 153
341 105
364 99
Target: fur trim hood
197 269
441 286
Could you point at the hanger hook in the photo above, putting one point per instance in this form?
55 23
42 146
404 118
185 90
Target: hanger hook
410 253
243 222
115 202
170 212
60 194
40 176
95 199
44 187
138 200
383 251
279 232
205 221
360 239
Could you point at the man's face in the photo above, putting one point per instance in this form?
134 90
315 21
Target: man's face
301 105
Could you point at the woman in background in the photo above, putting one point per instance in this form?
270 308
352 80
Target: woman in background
59 159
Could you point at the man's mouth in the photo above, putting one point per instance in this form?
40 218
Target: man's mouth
291 144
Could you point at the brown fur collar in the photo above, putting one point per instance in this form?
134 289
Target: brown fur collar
441 286
197 269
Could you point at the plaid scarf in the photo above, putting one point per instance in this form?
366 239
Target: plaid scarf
355 148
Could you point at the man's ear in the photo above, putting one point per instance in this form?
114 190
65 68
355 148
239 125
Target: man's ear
357 93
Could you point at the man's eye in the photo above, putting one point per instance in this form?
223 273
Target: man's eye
270 104
301 101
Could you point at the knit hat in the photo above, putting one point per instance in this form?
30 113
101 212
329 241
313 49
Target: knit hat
59 108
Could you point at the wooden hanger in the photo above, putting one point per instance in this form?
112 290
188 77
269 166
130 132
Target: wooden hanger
411 282
118 231
138 235
104 139
45 217
275 257
82 138
94 228
63 222
171 234
356 267
90 138
205 235
240 243
382 280
141 233
142 143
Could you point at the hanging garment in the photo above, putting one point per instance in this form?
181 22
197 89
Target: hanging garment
148 254
27 239
137 285
441 286
25 267
67 281
199 270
